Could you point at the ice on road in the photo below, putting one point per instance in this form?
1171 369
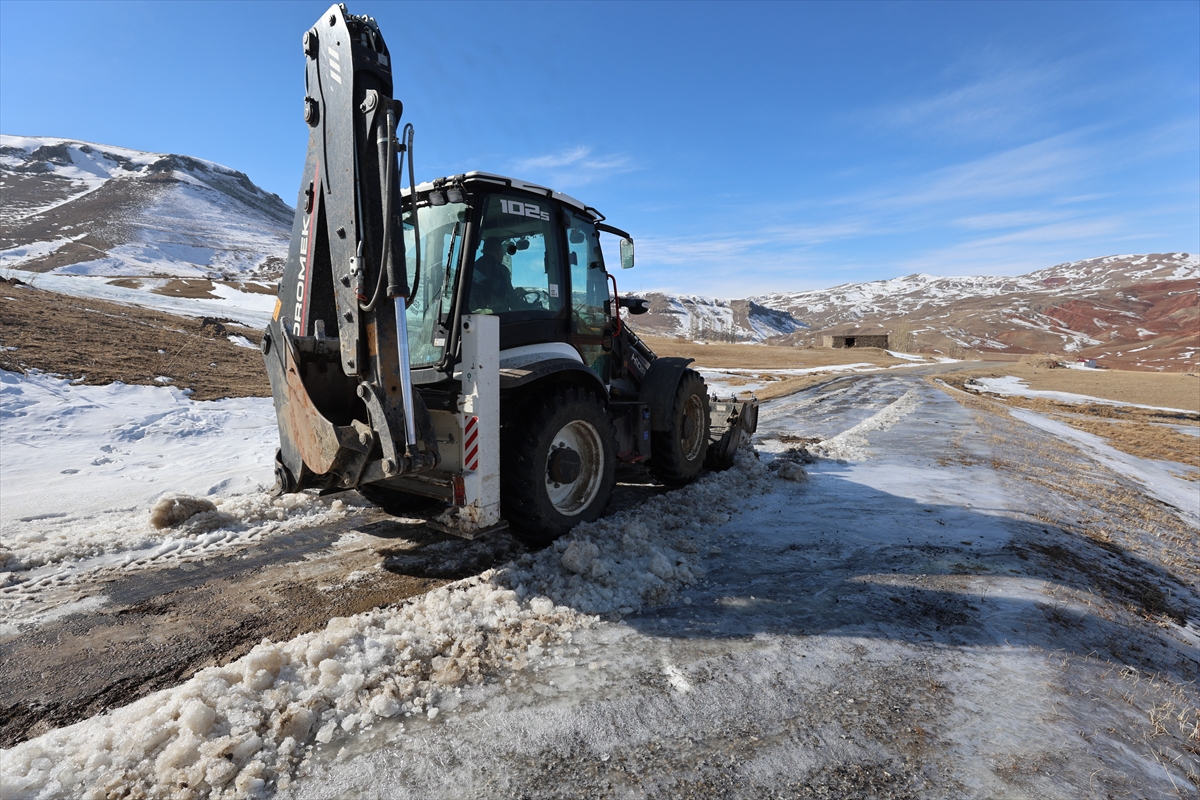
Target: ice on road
874 630
900 595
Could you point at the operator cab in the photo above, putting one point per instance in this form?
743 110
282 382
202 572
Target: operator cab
489 244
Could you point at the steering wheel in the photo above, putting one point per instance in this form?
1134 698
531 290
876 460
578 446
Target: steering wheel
535 297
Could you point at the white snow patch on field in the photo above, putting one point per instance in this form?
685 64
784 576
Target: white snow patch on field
230 731
251 309
16 256
1010 385
1156 476
82 464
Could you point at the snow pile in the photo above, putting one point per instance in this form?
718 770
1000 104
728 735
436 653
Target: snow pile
621 563
230 731
240 730
170 512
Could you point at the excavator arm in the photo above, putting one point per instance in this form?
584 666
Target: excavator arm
336 349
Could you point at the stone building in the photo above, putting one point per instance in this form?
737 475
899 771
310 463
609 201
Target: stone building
856 337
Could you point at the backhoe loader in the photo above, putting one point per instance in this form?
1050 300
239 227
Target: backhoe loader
460 341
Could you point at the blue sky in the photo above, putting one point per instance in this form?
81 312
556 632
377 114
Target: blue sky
748 147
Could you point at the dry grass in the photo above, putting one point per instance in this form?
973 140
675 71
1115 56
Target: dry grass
1168 390
766 357
1141 432
1145 440
1108 512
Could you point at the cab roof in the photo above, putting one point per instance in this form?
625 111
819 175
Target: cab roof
478 177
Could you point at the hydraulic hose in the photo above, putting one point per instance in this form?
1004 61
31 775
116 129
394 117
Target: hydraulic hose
407 145
385 267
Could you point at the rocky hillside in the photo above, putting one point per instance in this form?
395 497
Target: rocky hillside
91 209
714 319
1127 310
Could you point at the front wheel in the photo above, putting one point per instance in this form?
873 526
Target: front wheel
677 453
558 463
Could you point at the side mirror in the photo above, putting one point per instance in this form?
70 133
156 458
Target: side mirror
627 253
635 305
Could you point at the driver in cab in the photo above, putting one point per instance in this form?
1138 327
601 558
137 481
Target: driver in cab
491 288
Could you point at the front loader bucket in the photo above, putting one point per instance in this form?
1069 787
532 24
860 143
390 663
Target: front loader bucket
732 422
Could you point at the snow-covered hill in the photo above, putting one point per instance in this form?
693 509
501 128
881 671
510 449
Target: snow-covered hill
90 209
916 294
714 319
1126 310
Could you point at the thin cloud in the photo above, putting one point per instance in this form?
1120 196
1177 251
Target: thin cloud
575 167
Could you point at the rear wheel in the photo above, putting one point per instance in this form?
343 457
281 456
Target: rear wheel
558 464
396 502
677 454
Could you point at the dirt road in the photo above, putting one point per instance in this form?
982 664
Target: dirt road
924 597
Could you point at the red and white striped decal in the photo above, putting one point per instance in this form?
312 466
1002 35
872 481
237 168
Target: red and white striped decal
471 444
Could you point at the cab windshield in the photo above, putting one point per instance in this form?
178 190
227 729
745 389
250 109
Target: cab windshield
442 229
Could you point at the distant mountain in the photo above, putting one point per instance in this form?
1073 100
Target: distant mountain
91 209
1129 310
712 319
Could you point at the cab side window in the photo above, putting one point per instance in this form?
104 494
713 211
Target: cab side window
589 292
517 267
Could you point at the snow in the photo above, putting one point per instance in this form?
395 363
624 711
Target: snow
768 668
237 726
1157 477
181 217
82 464
252 309
1009 385
709 318
912 296
190 231
719 385
16 256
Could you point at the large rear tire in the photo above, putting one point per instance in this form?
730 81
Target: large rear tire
677 454
396 502
558 463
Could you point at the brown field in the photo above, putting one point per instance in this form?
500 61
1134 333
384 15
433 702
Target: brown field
104 342
1142 432
1163 389
765 357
